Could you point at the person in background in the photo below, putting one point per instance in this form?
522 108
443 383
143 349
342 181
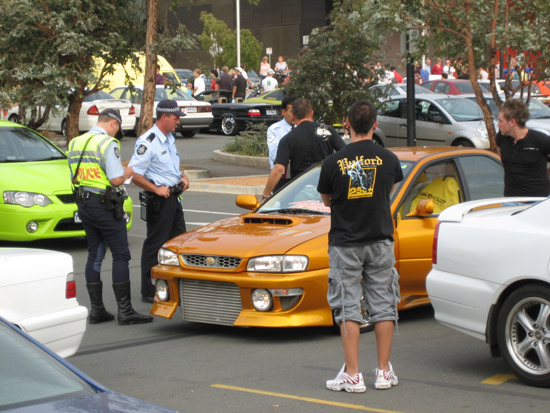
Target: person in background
198 85
159 80
239 85
245 75
524 152
264 67
437 69
226 81
269 83
156 164
398 78
97 176
356 183
214 84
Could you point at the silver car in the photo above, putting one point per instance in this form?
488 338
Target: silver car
441 120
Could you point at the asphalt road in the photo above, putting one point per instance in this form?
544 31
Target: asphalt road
206 368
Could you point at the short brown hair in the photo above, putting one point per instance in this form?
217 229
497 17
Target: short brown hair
361 116
301 108
517 110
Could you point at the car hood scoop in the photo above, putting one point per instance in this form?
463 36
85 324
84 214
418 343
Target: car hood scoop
267 220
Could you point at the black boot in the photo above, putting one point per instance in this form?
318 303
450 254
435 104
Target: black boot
98 314
126 314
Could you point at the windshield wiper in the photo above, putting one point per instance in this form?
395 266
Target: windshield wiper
294 211
50 158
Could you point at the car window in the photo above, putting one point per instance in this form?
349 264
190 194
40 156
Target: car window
25 145
391 108
170 93
100 94
484 177
118 92
427 85
462 110
441 87
438 182
428 112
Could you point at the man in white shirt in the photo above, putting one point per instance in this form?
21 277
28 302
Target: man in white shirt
198 84
269 83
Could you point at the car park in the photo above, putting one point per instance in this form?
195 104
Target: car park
490 279
452 86
440 120
198 115
37 199
92 106
269 267
34 379
231 118
38 294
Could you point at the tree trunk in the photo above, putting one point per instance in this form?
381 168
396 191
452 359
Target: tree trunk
149 86
73 116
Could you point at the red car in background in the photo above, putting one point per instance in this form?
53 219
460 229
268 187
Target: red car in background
452 86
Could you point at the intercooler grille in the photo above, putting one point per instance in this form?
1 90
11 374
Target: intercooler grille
210 302
210 261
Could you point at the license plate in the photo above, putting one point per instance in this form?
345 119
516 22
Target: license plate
77 219
191 110
271 112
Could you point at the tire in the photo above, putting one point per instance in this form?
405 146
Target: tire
523 334
463 142
13 118
377 140
188 133
229 125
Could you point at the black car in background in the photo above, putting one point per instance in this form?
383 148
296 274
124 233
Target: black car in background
231 118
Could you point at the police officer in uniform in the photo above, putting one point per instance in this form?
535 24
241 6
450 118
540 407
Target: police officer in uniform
276 132
156 169
307 143
97 172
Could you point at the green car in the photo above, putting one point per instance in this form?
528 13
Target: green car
273 97
37 199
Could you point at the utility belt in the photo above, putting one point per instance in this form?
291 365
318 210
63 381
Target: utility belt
150 202
112 198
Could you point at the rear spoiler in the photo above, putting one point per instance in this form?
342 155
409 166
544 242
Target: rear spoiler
455 213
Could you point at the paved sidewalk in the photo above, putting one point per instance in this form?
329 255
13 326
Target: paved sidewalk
252 185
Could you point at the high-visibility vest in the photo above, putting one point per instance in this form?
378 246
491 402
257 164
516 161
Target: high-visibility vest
92 170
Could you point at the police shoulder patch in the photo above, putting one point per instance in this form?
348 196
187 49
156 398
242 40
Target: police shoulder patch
117 152
270 138
141 149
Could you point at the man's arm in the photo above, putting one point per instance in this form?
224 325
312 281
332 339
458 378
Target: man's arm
274 177
128 171
326 199
144 183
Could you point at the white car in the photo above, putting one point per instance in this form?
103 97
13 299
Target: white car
198 115
38 294
92 105
491 279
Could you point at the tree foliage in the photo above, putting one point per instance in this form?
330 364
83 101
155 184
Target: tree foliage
220 41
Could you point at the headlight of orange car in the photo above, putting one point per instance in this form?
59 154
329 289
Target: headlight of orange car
167 257
278 263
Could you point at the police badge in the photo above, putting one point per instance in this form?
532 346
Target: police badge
141 149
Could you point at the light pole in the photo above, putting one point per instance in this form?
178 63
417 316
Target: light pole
238 33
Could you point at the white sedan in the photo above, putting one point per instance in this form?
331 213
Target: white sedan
38 294
491 279
92 105
198 114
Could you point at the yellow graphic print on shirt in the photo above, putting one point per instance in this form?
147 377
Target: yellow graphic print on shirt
362 173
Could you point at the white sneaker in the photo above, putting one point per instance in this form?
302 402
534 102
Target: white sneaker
385 379
344 381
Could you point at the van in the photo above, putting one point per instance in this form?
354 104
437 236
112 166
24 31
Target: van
119 76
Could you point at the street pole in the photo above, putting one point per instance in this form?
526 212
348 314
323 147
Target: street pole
411 120
238 33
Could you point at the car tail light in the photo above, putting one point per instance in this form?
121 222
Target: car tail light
254 112
434 245
132 110
94 111
70 286
204 108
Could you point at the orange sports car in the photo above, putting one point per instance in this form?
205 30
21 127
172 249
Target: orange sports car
269 267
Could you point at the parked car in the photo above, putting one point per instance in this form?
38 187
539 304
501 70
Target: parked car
273 97
394 89
92 105
536 92
269 267
231 118
490 279
38 294
440 120
254 78
198 114
37 200
452 86
34 379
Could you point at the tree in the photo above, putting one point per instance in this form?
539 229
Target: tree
332 71
212 38
47 51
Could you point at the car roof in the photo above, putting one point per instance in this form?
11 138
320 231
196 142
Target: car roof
416 153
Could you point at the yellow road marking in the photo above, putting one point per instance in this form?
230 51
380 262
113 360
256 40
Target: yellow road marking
498 379
305 399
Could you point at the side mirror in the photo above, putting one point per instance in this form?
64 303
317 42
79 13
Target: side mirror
247 201
424 208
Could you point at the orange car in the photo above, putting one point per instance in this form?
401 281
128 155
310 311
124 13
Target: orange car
269 267
543 87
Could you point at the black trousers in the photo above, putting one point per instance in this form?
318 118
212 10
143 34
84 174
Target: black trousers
100 225
165 224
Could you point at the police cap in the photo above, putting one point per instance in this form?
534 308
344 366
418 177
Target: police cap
112 113
169 106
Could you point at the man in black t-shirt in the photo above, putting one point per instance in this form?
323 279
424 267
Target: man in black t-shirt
306 144
239 85
356 183
524 152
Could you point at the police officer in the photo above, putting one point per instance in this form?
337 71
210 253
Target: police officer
277 130
97 172
156 169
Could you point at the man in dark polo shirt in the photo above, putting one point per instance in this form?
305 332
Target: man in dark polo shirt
524 152
306 144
